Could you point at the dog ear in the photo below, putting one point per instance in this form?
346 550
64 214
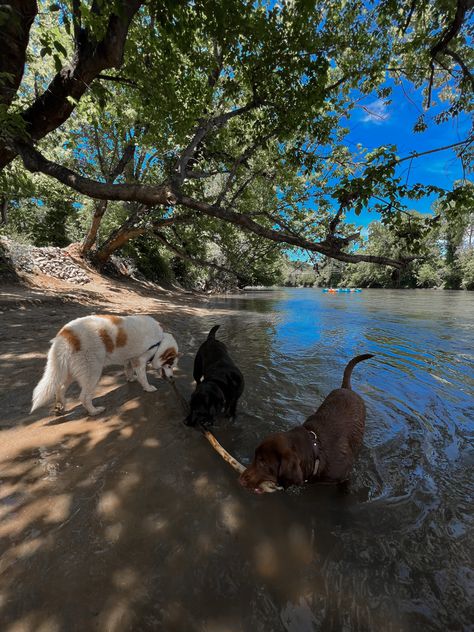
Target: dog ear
289 471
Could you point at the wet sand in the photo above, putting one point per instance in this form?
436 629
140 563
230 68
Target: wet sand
85 503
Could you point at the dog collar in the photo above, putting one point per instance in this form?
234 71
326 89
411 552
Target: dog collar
157 344
315 445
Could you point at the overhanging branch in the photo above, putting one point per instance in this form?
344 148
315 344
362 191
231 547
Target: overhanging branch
196 260
34 161
56 104
167 195
245 222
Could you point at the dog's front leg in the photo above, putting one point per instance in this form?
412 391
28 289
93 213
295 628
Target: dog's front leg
140 370
129 372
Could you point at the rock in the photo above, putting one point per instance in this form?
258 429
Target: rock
50 260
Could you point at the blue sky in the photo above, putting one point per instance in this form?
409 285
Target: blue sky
373 124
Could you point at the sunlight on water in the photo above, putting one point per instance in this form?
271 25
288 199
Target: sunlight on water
396 544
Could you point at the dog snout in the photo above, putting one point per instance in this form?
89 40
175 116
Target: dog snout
245 480
167 373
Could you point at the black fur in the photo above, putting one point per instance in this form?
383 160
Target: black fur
221 386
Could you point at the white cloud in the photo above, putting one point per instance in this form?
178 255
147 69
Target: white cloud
375 112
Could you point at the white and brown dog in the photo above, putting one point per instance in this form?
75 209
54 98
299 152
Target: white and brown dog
84 346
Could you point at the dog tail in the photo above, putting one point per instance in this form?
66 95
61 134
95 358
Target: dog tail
346 380
54 375
212 334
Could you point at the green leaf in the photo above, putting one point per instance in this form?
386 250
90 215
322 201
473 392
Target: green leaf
59 47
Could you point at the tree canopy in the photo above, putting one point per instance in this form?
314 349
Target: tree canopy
222 120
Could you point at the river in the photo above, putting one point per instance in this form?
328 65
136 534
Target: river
395 550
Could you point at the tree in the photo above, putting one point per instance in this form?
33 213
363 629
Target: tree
443 241
455 211
241 104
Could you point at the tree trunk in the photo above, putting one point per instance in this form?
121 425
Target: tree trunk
101 205
91 236
52 108
17 18
115 241
3 211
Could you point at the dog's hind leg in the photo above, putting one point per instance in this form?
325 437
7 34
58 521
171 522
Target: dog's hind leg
129 372
88 384
61 395
232 408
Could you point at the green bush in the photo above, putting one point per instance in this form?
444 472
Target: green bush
466 263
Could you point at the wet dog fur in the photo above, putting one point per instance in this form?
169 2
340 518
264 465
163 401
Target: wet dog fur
219 383
323 449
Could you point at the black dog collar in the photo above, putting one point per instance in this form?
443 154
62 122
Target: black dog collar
157 344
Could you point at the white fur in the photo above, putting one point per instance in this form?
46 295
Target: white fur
66 363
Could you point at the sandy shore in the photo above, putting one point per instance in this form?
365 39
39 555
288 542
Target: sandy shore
84 501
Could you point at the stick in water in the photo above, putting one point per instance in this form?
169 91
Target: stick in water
267 486
228 458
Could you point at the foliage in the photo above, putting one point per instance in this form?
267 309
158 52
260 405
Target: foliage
235 115
466 263
446 258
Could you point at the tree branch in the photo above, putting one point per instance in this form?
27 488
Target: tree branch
462 7
242 159
118 79
245 222
167 195
467 73
16 18
452 31
201 132
101 205
128 230
3 211
127 156
196 260
409 17
149 195
417 154
56 104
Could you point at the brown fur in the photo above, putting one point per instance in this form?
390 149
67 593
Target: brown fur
107 340
71 337
288 458
121 339
169 356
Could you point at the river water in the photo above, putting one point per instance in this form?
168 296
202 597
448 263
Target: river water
394 551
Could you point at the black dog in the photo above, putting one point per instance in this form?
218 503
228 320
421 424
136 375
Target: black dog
222 385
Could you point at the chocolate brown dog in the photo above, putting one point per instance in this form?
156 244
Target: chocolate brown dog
323 449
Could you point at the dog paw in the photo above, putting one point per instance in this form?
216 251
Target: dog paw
59 410
96 411
150 389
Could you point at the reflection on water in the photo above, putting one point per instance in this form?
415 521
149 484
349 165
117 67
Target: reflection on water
393 551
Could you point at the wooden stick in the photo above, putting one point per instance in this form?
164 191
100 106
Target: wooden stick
228 458
267 486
